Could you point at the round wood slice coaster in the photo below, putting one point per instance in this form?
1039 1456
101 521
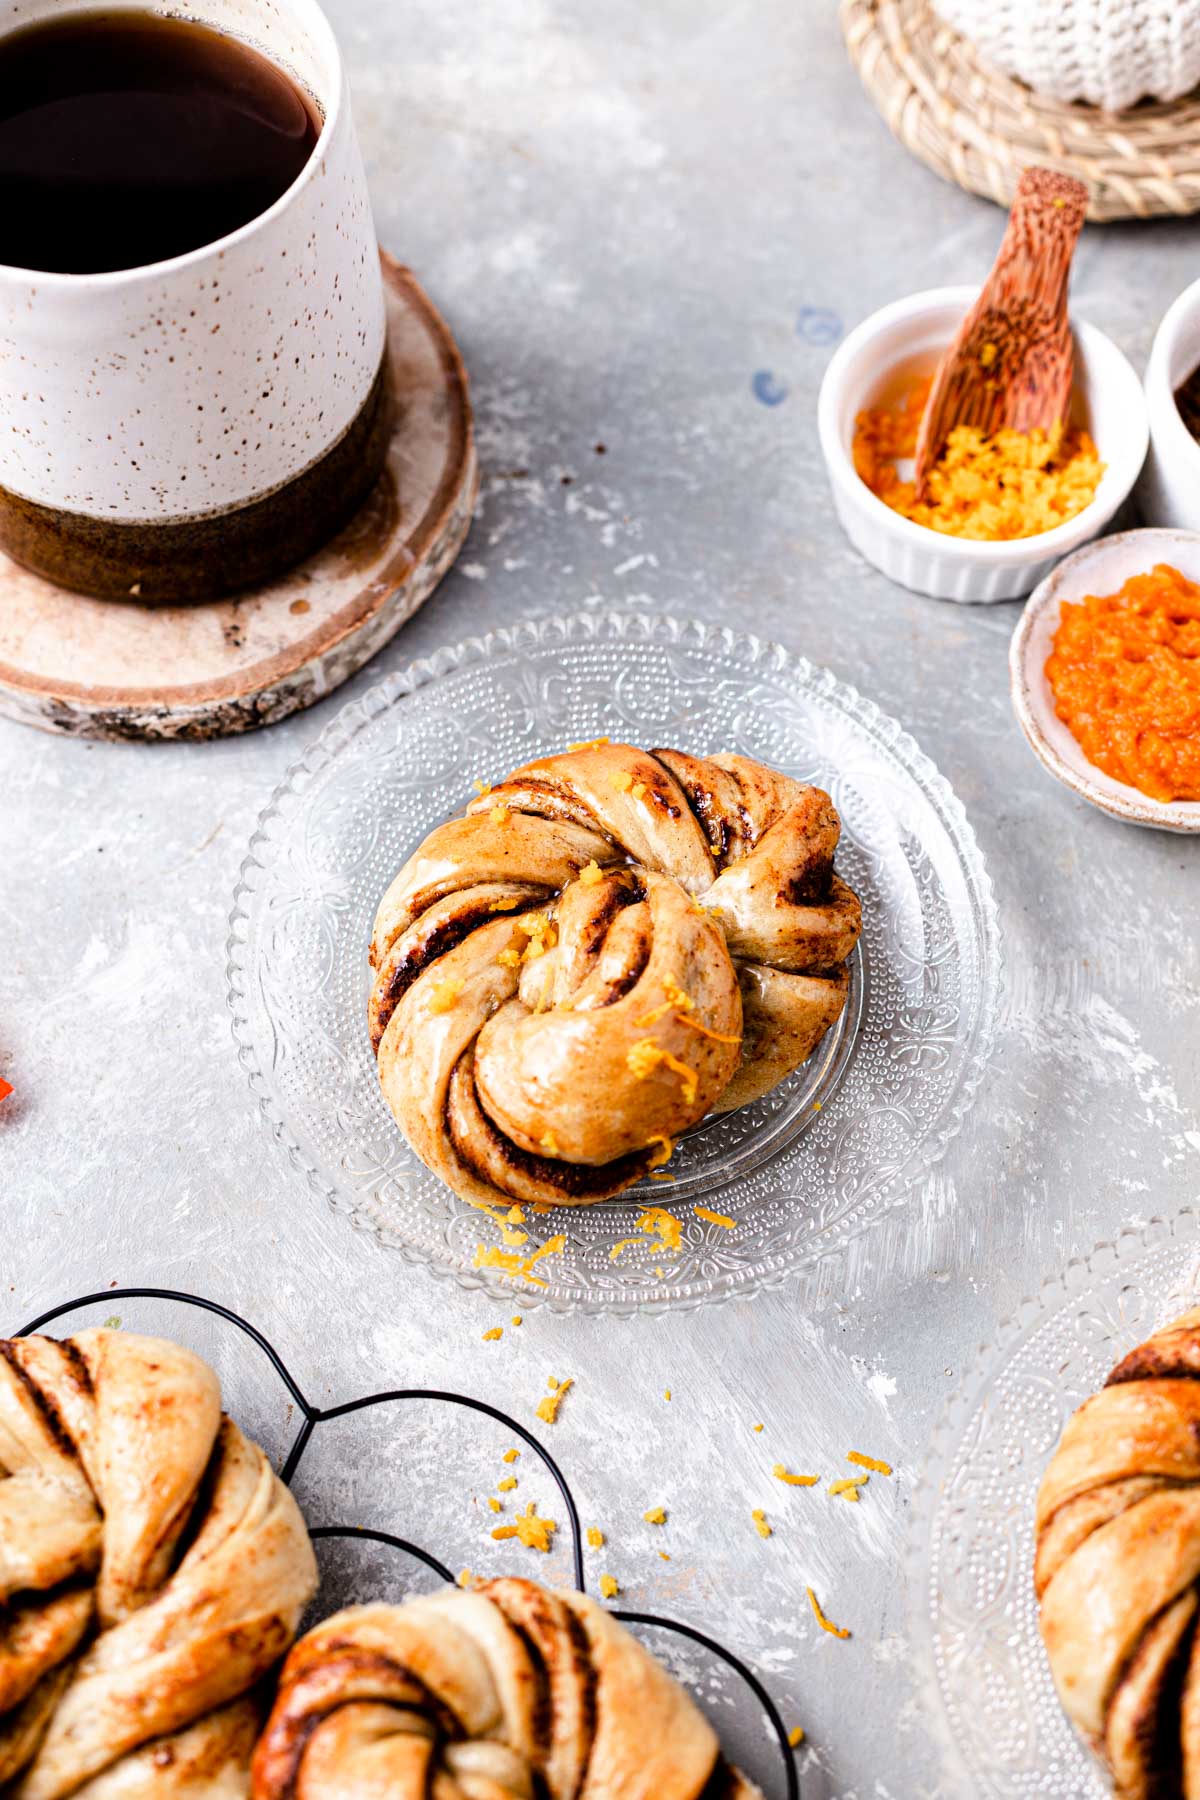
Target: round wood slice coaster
980 128
99 668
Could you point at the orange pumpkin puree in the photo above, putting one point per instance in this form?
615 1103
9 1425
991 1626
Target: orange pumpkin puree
1125 675
1013 484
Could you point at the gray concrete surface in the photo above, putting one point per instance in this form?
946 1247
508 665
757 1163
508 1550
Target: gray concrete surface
646 223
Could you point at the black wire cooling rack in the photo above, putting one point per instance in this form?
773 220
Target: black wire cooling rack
311 1416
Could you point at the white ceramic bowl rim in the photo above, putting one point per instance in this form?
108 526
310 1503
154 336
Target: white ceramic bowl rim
1088 339
313 19
1117 798
1161 385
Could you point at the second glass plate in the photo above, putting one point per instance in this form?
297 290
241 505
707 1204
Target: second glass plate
800 1172
983 1669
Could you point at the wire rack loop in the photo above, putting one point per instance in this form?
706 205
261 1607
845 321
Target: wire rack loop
312 1416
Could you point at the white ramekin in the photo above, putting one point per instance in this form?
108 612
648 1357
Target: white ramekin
914 332
1169 490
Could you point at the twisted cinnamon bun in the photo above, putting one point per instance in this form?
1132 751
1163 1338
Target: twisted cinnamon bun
152 1570
1117 1571
609 945
506 1692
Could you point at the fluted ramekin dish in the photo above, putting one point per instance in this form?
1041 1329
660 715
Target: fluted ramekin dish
910 335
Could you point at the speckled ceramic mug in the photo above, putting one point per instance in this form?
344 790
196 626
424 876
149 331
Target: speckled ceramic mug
178 431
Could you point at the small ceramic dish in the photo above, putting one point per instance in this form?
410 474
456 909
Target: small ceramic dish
1099 568
1169 490
904 341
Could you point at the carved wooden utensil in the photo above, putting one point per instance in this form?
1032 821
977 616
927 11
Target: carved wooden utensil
1012 362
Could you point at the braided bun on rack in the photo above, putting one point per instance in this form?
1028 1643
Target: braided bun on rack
504 1692
152 1570
1117 1572
609 945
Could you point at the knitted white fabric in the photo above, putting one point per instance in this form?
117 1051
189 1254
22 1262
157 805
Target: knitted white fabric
1110 53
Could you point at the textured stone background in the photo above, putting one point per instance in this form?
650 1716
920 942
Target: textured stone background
647 225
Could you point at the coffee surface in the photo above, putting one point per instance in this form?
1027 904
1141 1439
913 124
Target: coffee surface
126 138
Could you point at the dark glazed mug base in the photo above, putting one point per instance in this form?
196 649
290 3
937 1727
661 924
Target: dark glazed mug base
187 561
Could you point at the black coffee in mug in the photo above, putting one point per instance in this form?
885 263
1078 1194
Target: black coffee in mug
126 138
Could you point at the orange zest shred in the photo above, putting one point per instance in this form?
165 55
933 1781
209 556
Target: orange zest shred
609 1587
549 1143
796 1734
715 1218
591 873
638 790
595 1538
656 1516
838 1631
509 959
660 1175
507 1485
664 1556
547 1409
662 1155
516 1318
645 1056
621 1245
481 787
666 1393
718 1037
519 1268
533 1532
621 779
848 1489
464 1578
667 1227
494 1335
782 1474
868 1462
652 1016
494 1504
498 906
500 814
758 1428
510 1456
760 1522
445 994
588 744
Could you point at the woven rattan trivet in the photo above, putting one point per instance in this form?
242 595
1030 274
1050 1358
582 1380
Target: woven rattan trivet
980 128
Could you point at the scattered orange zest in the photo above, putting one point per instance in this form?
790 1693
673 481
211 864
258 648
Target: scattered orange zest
445 994
868 1462
533 1532
609 1587
589 744
547 1409
494 1335
782 1474
715 1218
718 1037
838 1631
760 1522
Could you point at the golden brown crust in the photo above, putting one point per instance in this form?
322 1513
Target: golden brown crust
1118 1567
611 944
505 1691
154 1569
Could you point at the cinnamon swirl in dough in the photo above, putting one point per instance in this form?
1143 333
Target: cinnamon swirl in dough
506 1692
1118 1567
152 1570
609 945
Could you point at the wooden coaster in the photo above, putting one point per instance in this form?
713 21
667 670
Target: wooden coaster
980 128
100 668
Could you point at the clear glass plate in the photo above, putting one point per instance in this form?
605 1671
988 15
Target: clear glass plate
802 1171
981 1662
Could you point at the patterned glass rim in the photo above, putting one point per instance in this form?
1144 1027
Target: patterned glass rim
1081 1275
756 655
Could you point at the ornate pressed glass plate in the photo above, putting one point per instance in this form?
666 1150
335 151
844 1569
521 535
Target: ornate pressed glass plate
801 1172
981 1663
